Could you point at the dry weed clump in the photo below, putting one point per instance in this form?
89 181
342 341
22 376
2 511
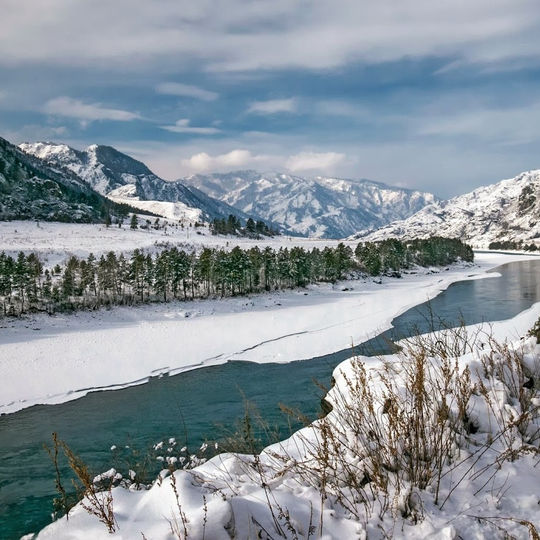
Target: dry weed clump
93 492
414 427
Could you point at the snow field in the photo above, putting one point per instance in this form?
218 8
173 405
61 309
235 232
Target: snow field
55 242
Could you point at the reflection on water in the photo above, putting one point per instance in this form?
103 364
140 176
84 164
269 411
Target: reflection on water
194 402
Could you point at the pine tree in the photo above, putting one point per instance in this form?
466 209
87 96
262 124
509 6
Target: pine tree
369 257
20 278
250 226
68 283
162 274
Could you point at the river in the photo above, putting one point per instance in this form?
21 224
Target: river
191 405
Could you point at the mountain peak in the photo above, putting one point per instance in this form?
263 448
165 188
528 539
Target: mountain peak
46 149
505 211
103 167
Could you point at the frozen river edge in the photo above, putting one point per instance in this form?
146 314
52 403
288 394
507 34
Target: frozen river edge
47 360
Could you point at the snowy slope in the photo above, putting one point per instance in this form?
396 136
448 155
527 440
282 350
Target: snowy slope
320 207
123 178
508 210
178 211
31 188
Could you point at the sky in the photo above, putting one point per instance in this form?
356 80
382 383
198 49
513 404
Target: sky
442 96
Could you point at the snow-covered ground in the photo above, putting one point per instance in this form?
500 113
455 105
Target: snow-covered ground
230 496
55 242
60 358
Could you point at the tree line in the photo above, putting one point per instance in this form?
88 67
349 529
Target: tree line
233 225
116 279
509 244
392 255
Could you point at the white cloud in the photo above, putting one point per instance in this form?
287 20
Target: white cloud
273 106
182 126
186 90
266 35
235 159
244 159
308 161
86 112
35 132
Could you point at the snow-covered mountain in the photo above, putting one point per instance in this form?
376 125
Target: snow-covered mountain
124 179
320 207
31 189
506 211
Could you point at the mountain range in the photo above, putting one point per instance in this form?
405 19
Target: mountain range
323 207
55 181
506 211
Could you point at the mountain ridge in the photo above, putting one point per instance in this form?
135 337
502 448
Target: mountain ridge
320 206
508 210
31 189
125 179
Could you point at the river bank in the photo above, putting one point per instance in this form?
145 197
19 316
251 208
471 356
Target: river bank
61 358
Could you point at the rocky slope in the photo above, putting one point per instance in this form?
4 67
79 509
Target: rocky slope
32 189
124 179
506 211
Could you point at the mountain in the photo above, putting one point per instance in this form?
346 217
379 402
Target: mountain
124 179
506 211
32 189
320 207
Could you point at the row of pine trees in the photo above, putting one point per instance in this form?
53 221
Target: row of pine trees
233 225
115 279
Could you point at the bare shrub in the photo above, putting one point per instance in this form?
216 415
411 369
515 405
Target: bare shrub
178 525
63 503
94 493
397 432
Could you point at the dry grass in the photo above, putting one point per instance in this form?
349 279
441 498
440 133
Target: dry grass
395 433
94 493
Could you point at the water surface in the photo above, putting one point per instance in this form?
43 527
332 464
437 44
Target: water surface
191 404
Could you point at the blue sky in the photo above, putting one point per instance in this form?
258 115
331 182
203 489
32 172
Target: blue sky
442 96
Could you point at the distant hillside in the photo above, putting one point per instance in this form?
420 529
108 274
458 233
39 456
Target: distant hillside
31 189
124 179
320 207
506 211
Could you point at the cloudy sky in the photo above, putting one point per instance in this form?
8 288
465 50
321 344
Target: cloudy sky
438 95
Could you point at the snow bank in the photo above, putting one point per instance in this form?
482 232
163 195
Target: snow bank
265 496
